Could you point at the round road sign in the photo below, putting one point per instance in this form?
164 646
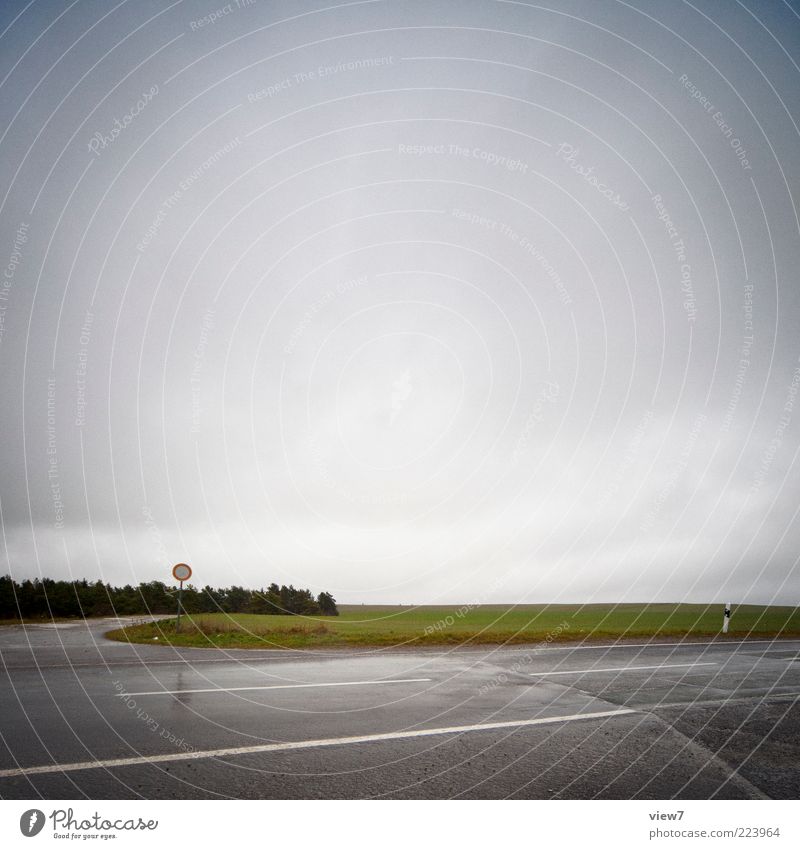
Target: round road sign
181 572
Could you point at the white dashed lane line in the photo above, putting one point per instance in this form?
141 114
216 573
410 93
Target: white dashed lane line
277 687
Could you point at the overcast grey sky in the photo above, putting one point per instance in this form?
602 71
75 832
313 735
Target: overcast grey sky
409 301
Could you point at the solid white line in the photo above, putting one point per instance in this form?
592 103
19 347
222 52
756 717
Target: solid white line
274 687
777 641
256 655
304 744
623 668
4 646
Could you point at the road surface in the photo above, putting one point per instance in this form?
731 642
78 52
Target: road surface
81 716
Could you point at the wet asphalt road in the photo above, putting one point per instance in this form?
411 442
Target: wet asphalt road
81 716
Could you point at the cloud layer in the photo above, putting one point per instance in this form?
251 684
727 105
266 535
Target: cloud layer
411 302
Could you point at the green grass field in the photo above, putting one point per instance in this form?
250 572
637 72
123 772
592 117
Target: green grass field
484 624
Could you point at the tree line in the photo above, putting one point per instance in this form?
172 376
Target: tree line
47 598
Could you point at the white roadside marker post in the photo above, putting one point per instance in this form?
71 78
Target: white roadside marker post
726 618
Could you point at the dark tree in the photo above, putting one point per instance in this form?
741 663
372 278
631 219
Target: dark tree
327 604
46 598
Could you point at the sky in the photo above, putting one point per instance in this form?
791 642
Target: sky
470 301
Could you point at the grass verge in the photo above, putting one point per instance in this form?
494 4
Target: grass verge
468 624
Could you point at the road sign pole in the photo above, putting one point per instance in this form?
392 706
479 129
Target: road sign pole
180 599
181 572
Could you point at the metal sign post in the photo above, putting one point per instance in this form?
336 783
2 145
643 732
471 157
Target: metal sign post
181 572
727 618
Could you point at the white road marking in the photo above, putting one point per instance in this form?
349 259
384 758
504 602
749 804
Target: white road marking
67 646
257 655
275 687
304 744
623 668
675 644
